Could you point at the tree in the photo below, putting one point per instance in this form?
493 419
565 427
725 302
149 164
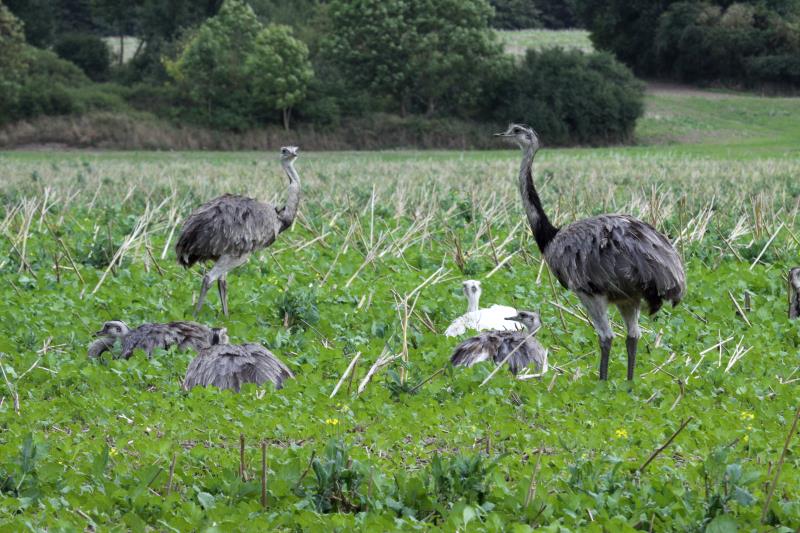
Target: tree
516 14
279 70
370 41
12 64
90 53
453 54
210 68
234 69
415 53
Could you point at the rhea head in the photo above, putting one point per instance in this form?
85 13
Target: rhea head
219 336
529 319
524 136
289 153
472 290
113 328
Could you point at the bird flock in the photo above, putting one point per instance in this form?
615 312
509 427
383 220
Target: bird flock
604 260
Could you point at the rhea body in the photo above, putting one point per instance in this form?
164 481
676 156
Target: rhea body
604 260
229 366
794 296
520 347
491 318
148 337
228 229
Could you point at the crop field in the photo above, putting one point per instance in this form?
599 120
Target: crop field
373 266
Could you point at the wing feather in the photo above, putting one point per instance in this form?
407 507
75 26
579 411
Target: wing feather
228 225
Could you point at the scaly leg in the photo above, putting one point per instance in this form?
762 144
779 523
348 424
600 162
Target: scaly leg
224 264
597 308
203 290
222 285
630 314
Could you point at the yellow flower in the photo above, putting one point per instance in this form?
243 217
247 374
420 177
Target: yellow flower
746 438
749 428
747 415
332 421
621 434
113 452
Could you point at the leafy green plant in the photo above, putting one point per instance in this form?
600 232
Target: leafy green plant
337 480
298 307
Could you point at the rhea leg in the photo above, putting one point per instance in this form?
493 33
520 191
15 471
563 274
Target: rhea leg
224 264
597 308
203 290
630 314
222 285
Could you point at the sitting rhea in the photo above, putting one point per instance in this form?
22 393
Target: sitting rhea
148 337
794 296
493 317
229 366
519 347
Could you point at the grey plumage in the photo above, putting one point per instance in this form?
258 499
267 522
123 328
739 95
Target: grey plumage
229 366
148 337
228 229
607 259
794 289
497 345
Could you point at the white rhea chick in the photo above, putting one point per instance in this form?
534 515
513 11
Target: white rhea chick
493 318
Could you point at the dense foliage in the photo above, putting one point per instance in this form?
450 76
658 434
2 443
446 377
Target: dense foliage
572 96
88 52
233 70
750 43
241 65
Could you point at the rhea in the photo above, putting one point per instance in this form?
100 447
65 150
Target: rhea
520 347
606 259
148 337
493 317
229 366
794 290
228 229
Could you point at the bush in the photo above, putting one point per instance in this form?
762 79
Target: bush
90 53
571 97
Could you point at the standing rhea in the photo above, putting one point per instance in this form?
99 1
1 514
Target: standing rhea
229 366
606 259
228 229
497 345
148 337
478 319
794 289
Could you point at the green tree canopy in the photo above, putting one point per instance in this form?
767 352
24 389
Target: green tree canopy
420 53
279 70
234 68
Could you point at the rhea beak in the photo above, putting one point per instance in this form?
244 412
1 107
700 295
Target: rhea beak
99 333
514 318
503 134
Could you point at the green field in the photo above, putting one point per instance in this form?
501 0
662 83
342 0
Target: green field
88 237
516 42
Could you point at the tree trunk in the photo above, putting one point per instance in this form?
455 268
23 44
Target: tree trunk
287 115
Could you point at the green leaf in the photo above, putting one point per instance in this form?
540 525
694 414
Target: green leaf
722 524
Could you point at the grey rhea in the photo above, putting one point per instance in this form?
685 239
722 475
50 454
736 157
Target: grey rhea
148 337
229 366
794 296
606 259
497 345
228 229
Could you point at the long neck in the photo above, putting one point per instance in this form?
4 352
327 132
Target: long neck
543 230
288 212
794 305
472 301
